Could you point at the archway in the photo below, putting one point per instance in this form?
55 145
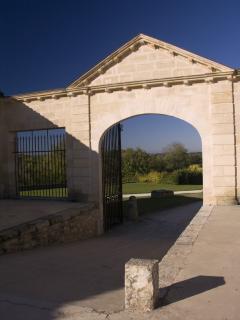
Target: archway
178 175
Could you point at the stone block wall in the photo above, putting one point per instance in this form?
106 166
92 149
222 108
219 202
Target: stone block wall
190 103
209 107
69 112
149 63
67 226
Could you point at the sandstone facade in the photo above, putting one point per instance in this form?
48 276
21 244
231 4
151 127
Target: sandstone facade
145 76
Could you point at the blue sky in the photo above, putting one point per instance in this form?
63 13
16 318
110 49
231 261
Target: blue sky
154 132
47 44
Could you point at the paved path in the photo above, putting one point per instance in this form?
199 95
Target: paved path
146 195
84 281
40 283
208 287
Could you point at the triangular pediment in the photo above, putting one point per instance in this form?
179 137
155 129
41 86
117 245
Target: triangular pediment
145 58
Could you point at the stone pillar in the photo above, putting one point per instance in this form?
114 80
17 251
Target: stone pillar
11 185
141 284
78 148
223 143
2 149
7 157
236 87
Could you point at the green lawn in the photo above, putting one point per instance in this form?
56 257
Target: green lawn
149 205
148 187
45 193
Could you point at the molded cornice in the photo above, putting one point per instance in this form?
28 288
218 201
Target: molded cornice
146 84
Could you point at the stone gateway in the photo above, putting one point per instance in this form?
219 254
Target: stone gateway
144 76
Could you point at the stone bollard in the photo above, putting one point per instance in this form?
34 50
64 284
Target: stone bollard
132 209
141 284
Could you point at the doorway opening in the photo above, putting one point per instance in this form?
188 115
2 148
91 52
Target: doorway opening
148 153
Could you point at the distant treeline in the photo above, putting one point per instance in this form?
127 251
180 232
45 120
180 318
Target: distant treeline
174 165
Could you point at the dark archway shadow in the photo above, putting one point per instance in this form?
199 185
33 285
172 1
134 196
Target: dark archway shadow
190 287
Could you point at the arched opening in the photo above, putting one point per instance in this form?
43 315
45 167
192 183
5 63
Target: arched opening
146 153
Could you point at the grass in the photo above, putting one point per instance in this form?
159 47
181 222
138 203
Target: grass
149 205
148 187
45 193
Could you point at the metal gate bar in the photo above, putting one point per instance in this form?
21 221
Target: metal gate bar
40 164
112 177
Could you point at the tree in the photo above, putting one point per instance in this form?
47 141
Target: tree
157 162
195 158
134 162
175 157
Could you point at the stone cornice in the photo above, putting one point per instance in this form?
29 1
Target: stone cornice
146 84
165 82
38 95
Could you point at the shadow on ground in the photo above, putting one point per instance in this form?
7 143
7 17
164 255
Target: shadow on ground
151 205
191 287
91 273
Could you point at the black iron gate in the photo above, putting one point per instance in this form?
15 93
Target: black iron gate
112 177
40 164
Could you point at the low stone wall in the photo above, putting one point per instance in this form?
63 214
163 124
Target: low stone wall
66 226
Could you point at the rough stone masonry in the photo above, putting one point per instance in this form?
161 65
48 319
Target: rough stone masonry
141 284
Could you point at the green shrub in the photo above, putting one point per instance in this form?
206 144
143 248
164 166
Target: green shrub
129 178
190 176
195 168
154 177
151 177
170 177
143 178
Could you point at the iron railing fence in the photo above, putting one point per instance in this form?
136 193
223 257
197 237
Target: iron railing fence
40 164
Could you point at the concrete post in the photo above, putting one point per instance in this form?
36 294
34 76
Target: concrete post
141 284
